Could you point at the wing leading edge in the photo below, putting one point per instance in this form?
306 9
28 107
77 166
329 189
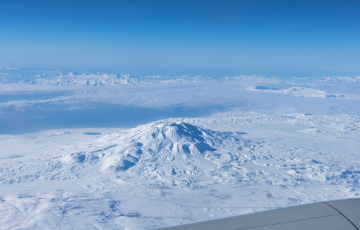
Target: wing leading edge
331 215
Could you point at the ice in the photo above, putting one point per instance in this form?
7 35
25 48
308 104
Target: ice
275 143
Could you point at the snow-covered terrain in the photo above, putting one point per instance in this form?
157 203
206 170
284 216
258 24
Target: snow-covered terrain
238 145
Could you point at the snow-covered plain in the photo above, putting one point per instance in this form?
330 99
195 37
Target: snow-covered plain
189 149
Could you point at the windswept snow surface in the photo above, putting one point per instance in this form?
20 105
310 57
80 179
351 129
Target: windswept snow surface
269 143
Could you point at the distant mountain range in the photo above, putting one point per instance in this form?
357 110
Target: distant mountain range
14 75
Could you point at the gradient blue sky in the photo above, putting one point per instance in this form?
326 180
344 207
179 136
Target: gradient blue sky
271 37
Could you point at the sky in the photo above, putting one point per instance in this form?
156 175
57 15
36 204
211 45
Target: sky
229 37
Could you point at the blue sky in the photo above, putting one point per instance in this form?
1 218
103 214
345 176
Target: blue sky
207 37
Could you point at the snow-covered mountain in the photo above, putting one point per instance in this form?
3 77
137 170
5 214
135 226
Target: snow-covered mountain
176 171
178 154
171 154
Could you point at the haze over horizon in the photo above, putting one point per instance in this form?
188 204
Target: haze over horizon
290 38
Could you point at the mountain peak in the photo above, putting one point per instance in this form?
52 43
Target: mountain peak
162 151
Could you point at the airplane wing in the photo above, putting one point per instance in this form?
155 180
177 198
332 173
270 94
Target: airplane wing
330 215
